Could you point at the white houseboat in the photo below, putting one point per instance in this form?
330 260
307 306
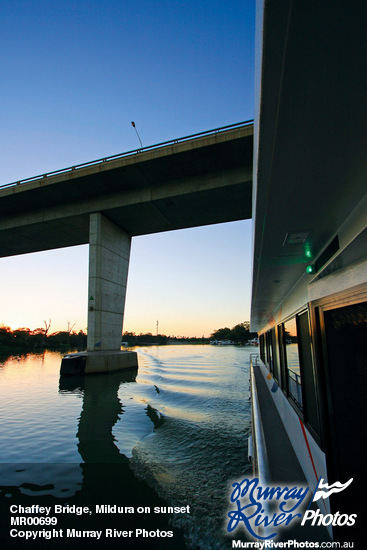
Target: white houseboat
309 295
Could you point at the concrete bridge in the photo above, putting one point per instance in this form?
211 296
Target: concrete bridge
193 181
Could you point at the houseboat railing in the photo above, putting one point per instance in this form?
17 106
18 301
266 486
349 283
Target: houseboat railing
254 359
261 466
295 387
262 463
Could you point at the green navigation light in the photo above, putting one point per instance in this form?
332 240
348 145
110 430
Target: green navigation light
308 251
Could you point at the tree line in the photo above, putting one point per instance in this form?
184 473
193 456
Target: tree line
25 340
132 339
239 334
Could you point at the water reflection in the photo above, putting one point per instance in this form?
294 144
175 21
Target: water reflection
97 446
89 440
106 474
101 410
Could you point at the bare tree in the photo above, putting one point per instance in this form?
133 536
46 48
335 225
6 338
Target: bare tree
47 327
70 328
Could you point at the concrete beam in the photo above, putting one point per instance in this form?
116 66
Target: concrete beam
109 254
198 182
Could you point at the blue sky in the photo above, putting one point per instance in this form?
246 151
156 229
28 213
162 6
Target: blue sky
75 74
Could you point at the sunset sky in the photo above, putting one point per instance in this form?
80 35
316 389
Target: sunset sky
75 74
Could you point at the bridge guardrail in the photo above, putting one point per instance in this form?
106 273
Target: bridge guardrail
127 153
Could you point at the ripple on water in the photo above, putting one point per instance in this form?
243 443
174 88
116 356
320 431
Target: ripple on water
182 424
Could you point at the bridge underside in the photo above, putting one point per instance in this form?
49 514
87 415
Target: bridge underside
193 183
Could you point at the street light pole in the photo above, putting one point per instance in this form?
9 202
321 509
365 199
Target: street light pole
133 125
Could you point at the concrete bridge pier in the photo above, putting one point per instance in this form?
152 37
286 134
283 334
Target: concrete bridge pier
109 254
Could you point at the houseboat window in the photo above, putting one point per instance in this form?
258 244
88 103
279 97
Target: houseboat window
276 369
308 378
345 339
283 371
262 347
292 360
269 350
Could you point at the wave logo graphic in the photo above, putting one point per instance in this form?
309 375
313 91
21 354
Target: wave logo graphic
324 490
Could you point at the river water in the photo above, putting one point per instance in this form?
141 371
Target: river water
173 433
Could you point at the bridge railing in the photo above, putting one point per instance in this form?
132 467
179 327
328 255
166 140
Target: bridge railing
128 153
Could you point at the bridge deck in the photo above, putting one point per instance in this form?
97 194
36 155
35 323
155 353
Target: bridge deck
198 181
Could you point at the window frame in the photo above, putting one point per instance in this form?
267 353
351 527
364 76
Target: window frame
298 407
